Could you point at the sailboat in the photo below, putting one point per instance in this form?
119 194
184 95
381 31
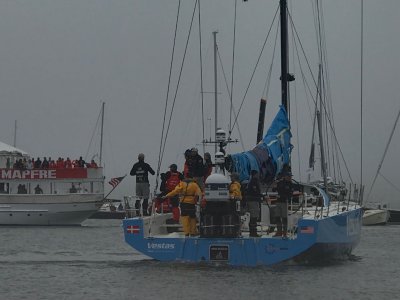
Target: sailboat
380 214
323 223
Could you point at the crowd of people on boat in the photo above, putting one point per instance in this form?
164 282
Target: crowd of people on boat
181 191
49 163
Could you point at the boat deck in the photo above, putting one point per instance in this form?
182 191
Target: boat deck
244 234
156 226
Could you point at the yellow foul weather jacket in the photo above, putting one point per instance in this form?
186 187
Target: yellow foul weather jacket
234 190
187 190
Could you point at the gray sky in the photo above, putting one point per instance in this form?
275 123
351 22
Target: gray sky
60 59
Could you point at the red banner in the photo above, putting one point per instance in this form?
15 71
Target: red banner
10 174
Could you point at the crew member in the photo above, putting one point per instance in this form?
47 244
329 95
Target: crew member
284 188
196 167
173 178
253 199
235 187
189 192
208 165
186 164
141 171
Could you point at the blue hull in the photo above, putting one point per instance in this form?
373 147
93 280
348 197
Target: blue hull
326 238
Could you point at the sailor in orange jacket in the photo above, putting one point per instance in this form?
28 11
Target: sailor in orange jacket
189 192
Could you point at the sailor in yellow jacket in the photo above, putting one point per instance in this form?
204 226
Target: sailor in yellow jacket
234 187
189 191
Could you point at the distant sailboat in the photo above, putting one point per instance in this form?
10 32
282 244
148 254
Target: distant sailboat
380 214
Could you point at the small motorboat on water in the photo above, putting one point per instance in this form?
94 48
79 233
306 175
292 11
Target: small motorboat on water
375 217
113 209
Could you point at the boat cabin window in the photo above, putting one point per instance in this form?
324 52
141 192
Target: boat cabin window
4 188
217 186
18 188
77 187
50 187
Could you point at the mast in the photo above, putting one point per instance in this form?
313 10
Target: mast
284 54
101 133
15 133
261 118
319 120
321 146
215 89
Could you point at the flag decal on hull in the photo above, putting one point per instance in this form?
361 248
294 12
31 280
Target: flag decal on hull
307 229
133 229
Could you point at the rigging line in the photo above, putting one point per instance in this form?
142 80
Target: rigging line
168 90
302 49
229 93
179 78
315 17
269 76
94 132
327 94
319 122
327 114
307 88
340 150
306 85
308 96
328 138
391 183
314 100
189 120
254 70
384 154
306 59
325 110
201 79
361 91
321 80
314 123
319 32
327 90
321 39
233 67
296 106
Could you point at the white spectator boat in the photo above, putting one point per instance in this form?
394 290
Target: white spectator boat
58 204
375 217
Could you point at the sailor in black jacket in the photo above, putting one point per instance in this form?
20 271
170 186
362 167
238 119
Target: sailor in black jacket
141 170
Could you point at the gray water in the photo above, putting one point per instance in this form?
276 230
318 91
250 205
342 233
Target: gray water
93 262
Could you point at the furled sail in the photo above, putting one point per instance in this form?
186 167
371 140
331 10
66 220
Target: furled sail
270 154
